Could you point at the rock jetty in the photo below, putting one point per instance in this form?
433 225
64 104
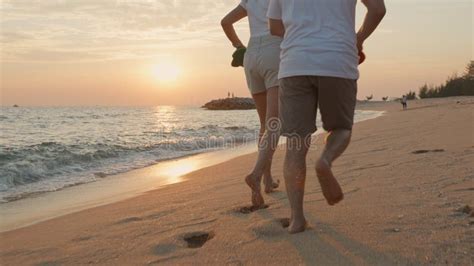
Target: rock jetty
236 103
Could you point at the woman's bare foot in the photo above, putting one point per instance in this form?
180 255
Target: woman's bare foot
254 184
331 189
270 185
297 225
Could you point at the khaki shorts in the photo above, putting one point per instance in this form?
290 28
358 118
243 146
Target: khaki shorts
299 99
262 62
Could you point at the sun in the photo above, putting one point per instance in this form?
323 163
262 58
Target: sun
166 72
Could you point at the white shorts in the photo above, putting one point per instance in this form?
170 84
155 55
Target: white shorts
261 63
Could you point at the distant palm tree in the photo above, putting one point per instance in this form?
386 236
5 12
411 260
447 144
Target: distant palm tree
369 97
470 69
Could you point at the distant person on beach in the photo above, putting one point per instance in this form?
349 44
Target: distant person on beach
261 63
319 67
404 101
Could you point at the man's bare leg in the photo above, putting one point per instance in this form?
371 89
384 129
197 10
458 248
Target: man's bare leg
267 144
294 172
336 143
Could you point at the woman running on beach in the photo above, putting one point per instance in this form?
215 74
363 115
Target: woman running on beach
261 64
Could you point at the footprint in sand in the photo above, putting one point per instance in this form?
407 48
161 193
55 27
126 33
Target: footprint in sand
82 238
420 151
466 209
197 239
274 228
159 214
285 222
250 209
426 151
464 189
129 220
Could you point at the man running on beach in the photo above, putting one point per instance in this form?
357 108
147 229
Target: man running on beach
318 66
404 101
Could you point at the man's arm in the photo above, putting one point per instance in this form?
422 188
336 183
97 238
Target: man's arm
227 24
276 27
375 13
275 21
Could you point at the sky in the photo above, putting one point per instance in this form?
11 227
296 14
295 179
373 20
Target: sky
173 52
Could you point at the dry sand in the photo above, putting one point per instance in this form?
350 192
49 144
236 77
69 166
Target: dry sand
407 178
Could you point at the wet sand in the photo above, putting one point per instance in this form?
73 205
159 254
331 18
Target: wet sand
45 206
407 177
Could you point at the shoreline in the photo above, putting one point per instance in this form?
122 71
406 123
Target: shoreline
37 207
18 213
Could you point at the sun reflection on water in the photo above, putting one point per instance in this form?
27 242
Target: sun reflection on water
174 172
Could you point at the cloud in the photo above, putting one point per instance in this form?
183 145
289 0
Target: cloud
16 37
68 30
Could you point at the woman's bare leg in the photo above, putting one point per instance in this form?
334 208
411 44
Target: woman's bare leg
260 100
271 138
267 144
253 180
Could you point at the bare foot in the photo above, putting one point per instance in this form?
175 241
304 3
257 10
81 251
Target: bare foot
297 226
331 189
254 184
270 185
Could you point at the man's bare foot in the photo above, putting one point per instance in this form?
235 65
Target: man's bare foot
270 185
297 226
254 184
331 189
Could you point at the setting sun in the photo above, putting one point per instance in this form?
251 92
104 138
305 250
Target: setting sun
166 72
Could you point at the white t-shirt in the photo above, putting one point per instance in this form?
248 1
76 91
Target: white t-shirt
320 37
257 14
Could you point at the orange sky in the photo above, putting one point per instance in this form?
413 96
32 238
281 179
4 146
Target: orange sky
112 52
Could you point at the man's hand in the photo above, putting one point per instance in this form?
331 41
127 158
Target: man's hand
360 43
375 13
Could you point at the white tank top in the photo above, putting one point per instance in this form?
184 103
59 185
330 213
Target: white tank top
257 15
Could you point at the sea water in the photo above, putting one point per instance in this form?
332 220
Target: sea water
49 148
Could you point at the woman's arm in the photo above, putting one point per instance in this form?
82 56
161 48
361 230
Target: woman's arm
227 24
276 27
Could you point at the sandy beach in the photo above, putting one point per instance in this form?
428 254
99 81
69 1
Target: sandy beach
408 179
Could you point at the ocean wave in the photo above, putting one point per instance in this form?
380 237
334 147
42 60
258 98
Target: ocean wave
20 166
